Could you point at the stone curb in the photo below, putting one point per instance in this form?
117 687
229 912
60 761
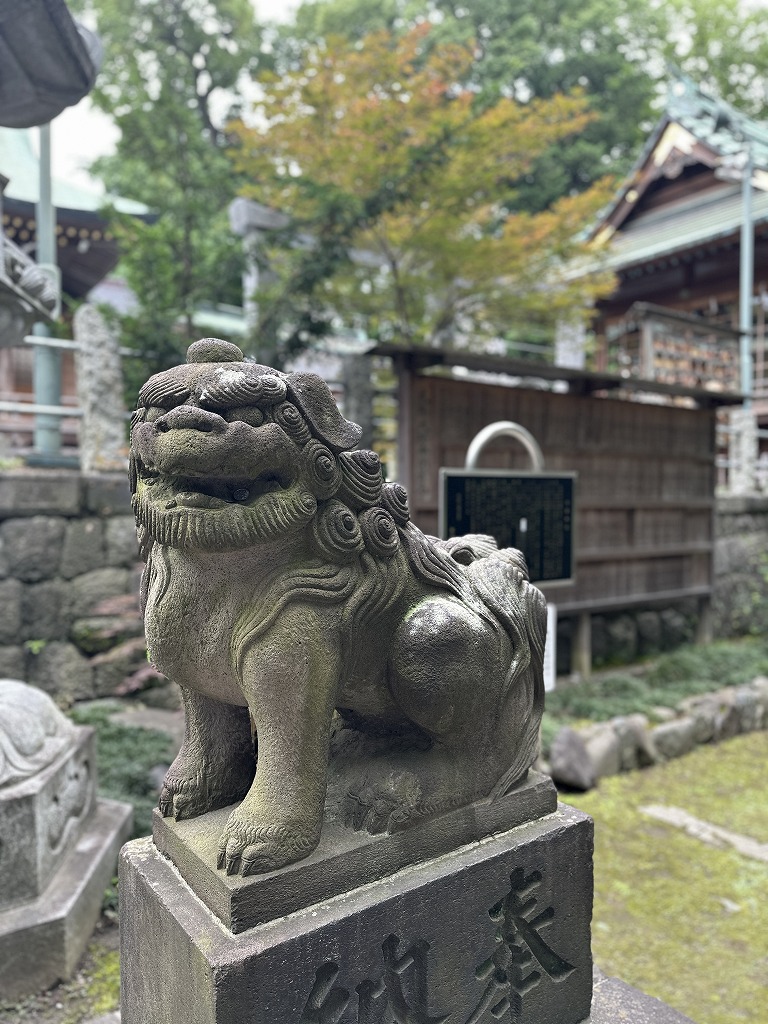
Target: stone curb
580 757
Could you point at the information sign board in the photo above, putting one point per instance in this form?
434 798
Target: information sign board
531 511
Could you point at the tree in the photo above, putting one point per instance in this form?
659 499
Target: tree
395 177
723 46
536 49
170 76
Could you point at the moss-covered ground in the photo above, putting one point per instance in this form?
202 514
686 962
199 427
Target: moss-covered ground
679 919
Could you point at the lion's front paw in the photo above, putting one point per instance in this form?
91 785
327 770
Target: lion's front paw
250 849
383 805
194 785
182 797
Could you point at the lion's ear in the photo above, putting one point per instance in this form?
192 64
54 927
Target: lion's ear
313 397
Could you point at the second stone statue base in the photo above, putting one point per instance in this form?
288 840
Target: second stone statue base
495 929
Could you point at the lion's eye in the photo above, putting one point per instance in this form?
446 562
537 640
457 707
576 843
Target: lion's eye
153 413
246 414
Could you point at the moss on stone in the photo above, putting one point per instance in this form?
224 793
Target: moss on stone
679 919
104 983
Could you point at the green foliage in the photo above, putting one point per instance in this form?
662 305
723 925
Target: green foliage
534 50
397 226
35 646
169 80
125 757
671 678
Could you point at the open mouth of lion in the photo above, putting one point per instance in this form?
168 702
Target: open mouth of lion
213 493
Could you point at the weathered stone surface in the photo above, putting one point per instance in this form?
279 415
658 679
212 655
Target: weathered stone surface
12 662
419 941
284 576
3 560
704 712
41 941
83 548
112 667
728 721
10 610
636 749
615 1002
25 492
61 670
673 739
45 610
33 546
604 750
749 709
42 815
570 762
33 733
344 858
106 494
122 547
90 589
759 687
103 632
103 440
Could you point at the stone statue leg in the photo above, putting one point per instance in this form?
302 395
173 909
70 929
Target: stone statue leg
446 674
216 763
290 678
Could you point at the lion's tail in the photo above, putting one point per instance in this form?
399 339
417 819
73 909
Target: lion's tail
500 578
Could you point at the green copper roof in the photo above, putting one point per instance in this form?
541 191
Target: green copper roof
696 221
715 122
19 163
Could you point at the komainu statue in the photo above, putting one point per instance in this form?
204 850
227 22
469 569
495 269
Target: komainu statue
306 619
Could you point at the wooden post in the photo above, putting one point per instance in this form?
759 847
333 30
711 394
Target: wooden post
581 657
704 624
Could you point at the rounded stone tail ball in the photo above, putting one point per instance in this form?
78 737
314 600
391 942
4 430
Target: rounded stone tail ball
213 350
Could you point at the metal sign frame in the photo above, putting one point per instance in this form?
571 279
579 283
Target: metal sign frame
518 475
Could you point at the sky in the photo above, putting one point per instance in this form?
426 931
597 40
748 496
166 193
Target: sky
80 134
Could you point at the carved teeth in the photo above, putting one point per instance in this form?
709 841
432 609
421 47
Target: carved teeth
170 504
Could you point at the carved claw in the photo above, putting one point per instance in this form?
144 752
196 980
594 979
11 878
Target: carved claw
249 849
383 806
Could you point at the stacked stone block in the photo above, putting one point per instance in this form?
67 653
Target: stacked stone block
69 572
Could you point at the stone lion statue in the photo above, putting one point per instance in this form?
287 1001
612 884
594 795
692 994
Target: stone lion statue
302 613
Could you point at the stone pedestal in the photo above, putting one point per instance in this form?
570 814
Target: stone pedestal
497 928
58 849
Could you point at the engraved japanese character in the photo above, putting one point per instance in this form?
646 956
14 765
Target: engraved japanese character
513 969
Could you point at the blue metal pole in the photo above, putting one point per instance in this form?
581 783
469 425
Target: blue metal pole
47 373
746 279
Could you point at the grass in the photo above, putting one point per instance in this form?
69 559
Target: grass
686 672
681 920
125 757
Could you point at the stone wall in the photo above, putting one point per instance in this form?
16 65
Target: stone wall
740 600
69 576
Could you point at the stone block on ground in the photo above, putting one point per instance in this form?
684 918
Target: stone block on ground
499 923
41 941
41 815
603 749
569 761
45 610
675 738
